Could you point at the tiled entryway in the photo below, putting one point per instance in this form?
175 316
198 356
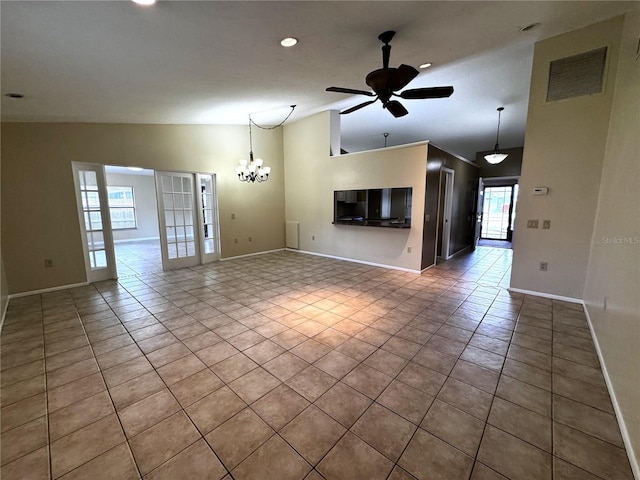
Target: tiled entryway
289 366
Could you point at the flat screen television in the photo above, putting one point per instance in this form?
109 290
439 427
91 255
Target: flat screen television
374 207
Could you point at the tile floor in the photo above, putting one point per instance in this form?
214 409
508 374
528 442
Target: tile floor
138 257
289 366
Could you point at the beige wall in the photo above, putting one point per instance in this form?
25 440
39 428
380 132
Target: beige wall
144 195
564 151
614 265
312 175
39 216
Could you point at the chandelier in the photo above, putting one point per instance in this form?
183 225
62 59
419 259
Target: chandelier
252 170
496 156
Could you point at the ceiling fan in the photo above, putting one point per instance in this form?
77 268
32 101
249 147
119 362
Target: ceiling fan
386 81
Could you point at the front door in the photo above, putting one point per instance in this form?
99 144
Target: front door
177 214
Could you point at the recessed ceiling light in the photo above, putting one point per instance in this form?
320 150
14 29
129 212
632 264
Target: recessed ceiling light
531 26
144 2
288 42
426 65
14 95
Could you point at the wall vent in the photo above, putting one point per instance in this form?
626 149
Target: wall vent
578 75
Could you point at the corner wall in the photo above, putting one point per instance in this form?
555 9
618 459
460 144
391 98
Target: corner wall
564 150
39 215
312 175
613 274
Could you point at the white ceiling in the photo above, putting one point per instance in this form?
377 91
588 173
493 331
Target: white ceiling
205 62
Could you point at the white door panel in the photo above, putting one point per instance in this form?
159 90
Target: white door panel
95 223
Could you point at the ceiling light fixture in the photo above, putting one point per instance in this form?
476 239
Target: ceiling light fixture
496 156
426 65
252 170
288 42
146 3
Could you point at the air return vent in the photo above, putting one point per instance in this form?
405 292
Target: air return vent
577 75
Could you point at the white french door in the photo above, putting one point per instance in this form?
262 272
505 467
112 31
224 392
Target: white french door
177 213
95 223
208 221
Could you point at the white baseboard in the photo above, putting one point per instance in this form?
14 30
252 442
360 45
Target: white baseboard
546 295
382 265
128 240
47 290
252 254
624 433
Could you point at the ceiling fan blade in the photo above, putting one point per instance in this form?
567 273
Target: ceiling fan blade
433 92
396 108
350 90
357 107
402 76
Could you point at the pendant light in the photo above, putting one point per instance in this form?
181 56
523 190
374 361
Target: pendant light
496 156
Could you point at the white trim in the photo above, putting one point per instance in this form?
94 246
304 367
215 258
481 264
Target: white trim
47 290
127 240
427 268
4 313
393 147
624 433
546 295
382 265
253 254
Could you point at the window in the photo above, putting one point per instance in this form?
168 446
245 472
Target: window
122 207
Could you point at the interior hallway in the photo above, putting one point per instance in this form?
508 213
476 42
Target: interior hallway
293 366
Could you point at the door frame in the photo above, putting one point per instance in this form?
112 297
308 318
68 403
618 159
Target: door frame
110 271
215 256
449 176
509 232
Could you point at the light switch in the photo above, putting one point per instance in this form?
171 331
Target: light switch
546 224
532 223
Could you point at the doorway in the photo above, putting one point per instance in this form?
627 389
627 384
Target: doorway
134 220
184 223
498 212
445 205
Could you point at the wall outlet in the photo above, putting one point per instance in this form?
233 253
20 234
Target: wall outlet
532 223
249 238
546 224
233 216
543 266
408 249
235 240
48 263
313 237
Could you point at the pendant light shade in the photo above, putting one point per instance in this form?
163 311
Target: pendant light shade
496 156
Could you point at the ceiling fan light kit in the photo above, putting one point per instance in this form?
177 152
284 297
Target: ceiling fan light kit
386 81
496 156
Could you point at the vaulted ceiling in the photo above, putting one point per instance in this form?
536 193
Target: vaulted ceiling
213 62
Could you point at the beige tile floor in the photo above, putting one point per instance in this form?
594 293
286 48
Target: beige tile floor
289 366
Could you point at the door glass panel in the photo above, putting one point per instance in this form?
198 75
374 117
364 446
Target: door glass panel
92 218
168 219
495 212
177 184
